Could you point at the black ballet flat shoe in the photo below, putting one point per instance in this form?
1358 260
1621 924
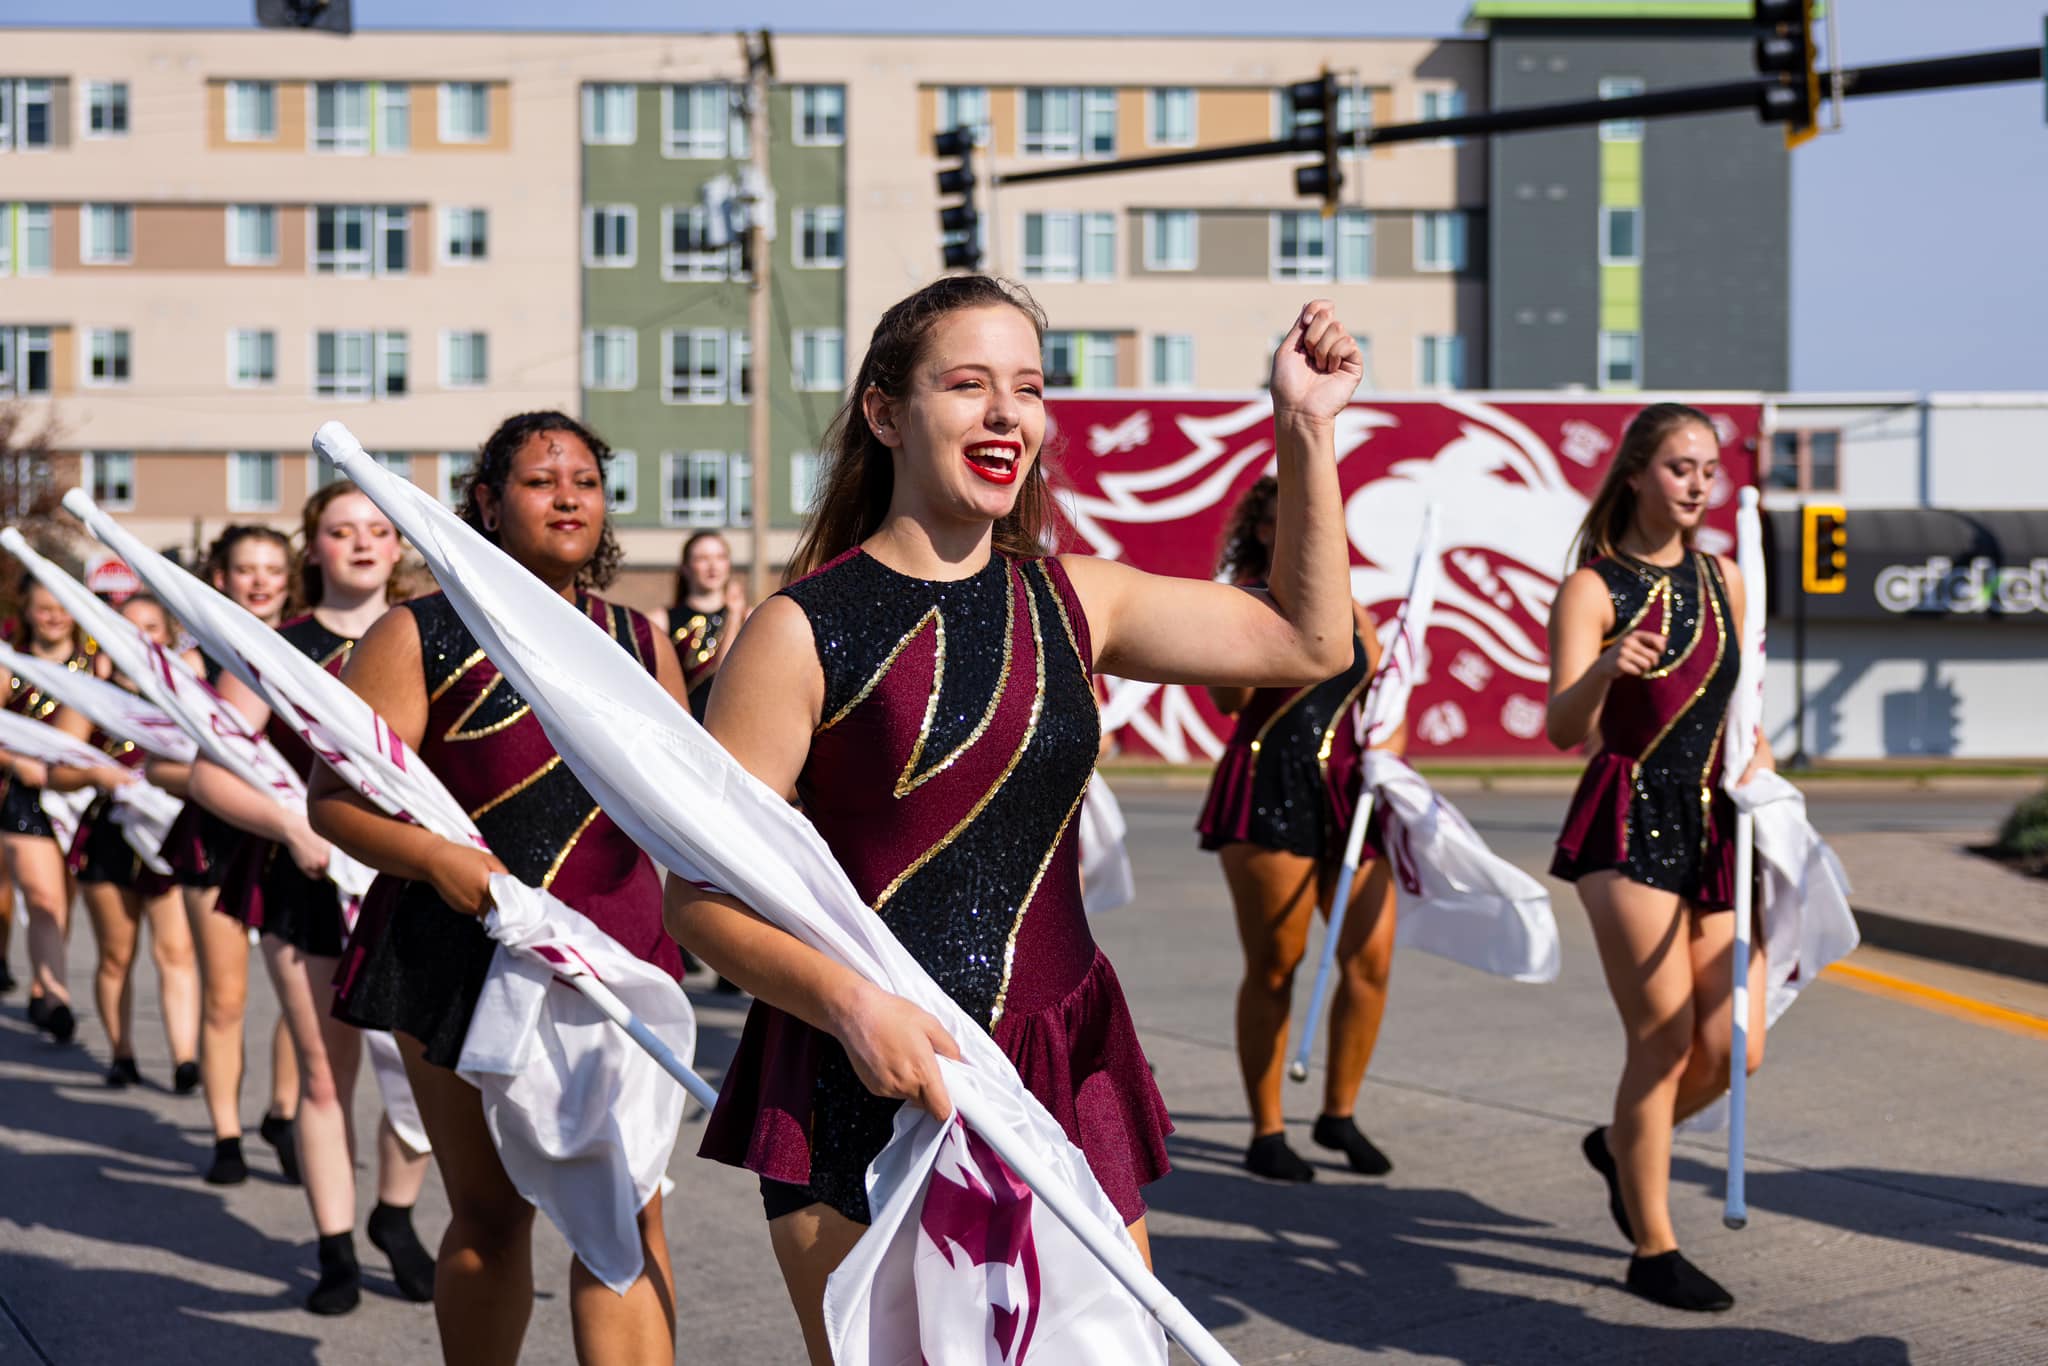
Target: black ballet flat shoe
1341 1133
229 1167
185 1080
1670 1280
341 1280
412 1266
1270 1157
61 1023
283 1137
1602 1161
123 1072
39 1011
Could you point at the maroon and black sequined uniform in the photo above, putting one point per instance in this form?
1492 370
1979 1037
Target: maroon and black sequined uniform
263 887
21 806
201 845
958 735
697 636
415 966
101 852
1288 779
1650 804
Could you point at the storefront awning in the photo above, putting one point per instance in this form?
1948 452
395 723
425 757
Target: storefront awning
1922 563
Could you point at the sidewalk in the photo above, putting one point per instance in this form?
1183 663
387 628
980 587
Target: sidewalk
1926 894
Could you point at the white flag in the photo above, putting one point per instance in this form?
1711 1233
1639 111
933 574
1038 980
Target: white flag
44 743
1106 881
669 785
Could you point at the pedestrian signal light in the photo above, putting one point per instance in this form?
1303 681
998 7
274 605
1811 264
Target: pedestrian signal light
1314 129
959 224
1785 58
1824 539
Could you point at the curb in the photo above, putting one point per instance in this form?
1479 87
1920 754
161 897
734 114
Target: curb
2024 959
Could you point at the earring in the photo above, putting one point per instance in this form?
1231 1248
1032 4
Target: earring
491 525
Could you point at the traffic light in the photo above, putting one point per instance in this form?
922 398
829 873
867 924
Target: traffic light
959 224
1315 129
1824 548
1784 57
331 16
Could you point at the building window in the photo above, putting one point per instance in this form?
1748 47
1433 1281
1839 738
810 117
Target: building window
465 235
1621 88
393 105
1080 360
358 239
1621 360
1098 114
24 361
820 237
819 359
1069 246
252 357
465 360
1169 239
252 111
252 234
111 477
465 111
252 481
24 239
610 116
1443 104
1443 362
696 489
700 123
360 364
964 106
1301 246
1052 123
341 117
1805 461
803 481
1354 245
622 482
1621 236
25 115
106 109
107 234
455 469
609 236
1170 116
687 252
694 371
1440 241
611 359
820 115
1173 361
324 472
106 356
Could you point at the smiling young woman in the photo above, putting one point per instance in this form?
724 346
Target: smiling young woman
1644 650
924 688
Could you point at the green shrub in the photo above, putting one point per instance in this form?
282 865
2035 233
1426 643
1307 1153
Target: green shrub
2025 832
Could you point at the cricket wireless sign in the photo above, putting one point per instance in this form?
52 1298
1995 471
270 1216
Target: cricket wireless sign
1982 585
1152 483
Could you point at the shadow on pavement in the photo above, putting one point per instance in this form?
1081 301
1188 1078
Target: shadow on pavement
118 1316
1368 1266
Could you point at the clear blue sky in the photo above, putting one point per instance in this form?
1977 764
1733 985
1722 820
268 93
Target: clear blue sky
1920 235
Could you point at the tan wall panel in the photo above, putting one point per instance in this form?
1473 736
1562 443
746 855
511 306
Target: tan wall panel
1226 116
63 360
180 483
1393 247
292 228
1128 344
1130 121
181 237
217 118
426 248
499 97
1004 120
292 117
1383 116
426 116
1233 246
61 107
64 251
291 484
927 119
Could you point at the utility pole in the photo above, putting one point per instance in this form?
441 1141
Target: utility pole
760 58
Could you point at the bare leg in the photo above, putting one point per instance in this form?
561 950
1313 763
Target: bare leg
1713 956
1365 957
400 1171
115 930
483 1279
39 872
327 1081
638 1326
1274 894
223 946
177 971
1644 942
284 1072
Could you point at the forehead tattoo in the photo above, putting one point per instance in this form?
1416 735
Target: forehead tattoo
555 446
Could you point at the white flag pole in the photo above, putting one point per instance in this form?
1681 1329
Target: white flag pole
1402 655
1747 708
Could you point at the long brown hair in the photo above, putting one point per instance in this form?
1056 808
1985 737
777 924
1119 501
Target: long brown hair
307 580
493 470
214 568
858 478
1614 506
1244 558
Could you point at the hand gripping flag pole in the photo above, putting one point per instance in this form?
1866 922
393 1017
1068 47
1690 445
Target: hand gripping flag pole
698 813
1745 717
1379 715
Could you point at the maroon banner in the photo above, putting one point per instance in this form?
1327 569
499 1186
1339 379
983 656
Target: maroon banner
1151 481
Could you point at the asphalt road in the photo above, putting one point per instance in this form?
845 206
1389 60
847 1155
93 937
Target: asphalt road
1897 1169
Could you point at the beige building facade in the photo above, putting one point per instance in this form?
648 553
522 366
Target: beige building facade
212 240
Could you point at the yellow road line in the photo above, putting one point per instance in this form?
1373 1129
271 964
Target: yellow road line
1934 998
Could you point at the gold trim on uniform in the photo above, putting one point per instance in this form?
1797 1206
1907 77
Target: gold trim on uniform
905 783
1024 906
875 680
509 793
455 731
562 856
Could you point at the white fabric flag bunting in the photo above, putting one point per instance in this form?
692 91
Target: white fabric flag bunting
1063 1284
584 1122
44 743
1458 899
1106 879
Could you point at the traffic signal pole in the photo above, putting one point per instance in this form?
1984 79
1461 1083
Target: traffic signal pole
2003 67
